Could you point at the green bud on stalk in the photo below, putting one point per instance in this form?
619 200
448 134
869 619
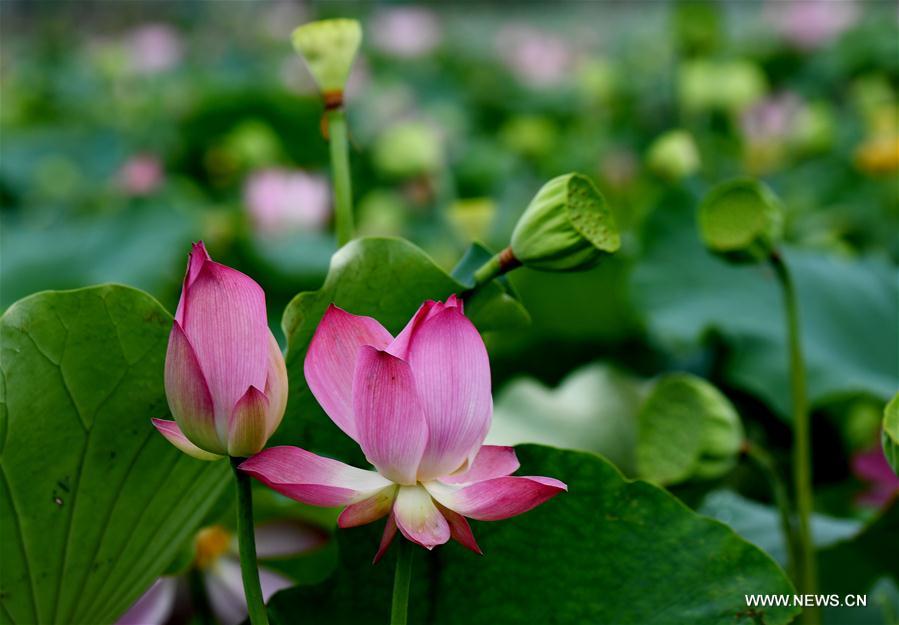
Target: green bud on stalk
567 227
742 220
329 48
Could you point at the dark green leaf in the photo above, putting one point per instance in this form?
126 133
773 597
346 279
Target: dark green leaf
608 551
96 503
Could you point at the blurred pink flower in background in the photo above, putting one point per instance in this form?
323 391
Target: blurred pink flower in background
218 560
809 24
871 467
154 48
537 58
141 174
406 31
771 118
284 200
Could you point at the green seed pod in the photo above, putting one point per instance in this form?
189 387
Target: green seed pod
329 48
742 220
686 429
567 227
674 155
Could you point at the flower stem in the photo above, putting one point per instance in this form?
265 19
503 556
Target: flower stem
340 171
499 264
802 450
766 465
399 610
249 569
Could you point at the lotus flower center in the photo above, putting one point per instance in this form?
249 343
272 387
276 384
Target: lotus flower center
211 543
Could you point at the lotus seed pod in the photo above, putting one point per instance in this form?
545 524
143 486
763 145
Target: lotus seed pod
687 429
741 220
329 48
567 227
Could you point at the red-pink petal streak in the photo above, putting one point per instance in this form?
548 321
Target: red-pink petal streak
460 530
390 425
331 361
386 538
498 498
452 376
224 318
195 259
312 479
491 461
418 518
188 394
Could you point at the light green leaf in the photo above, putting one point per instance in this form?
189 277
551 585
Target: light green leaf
687 428
95 503
387 279
890 436
608 551
847 309
593 409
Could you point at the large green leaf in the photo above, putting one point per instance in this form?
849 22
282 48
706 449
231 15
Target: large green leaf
890 434
95 503
848 311
387 279
608 551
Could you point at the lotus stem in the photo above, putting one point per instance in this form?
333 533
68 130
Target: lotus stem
807 578
399 610
340 172
249 568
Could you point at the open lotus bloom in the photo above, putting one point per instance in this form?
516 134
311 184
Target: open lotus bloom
419 405
225 377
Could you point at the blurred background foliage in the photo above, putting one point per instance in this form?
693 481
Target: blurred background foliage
130 130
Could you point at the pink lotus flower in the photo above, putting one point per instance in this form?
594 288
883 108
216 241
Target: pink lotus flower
419 405
225 378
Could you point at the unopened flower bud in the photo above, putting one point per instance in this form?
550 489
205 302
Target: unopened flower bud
567 227
329 48
741 220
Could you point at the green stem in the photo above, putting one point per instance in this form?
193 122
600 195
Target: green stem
802 443
340 171
766 465
249 569
499 264
198 598
399 610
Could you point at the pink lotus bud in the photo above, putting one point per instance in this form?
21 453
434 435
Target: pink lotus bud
419 405
225 377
